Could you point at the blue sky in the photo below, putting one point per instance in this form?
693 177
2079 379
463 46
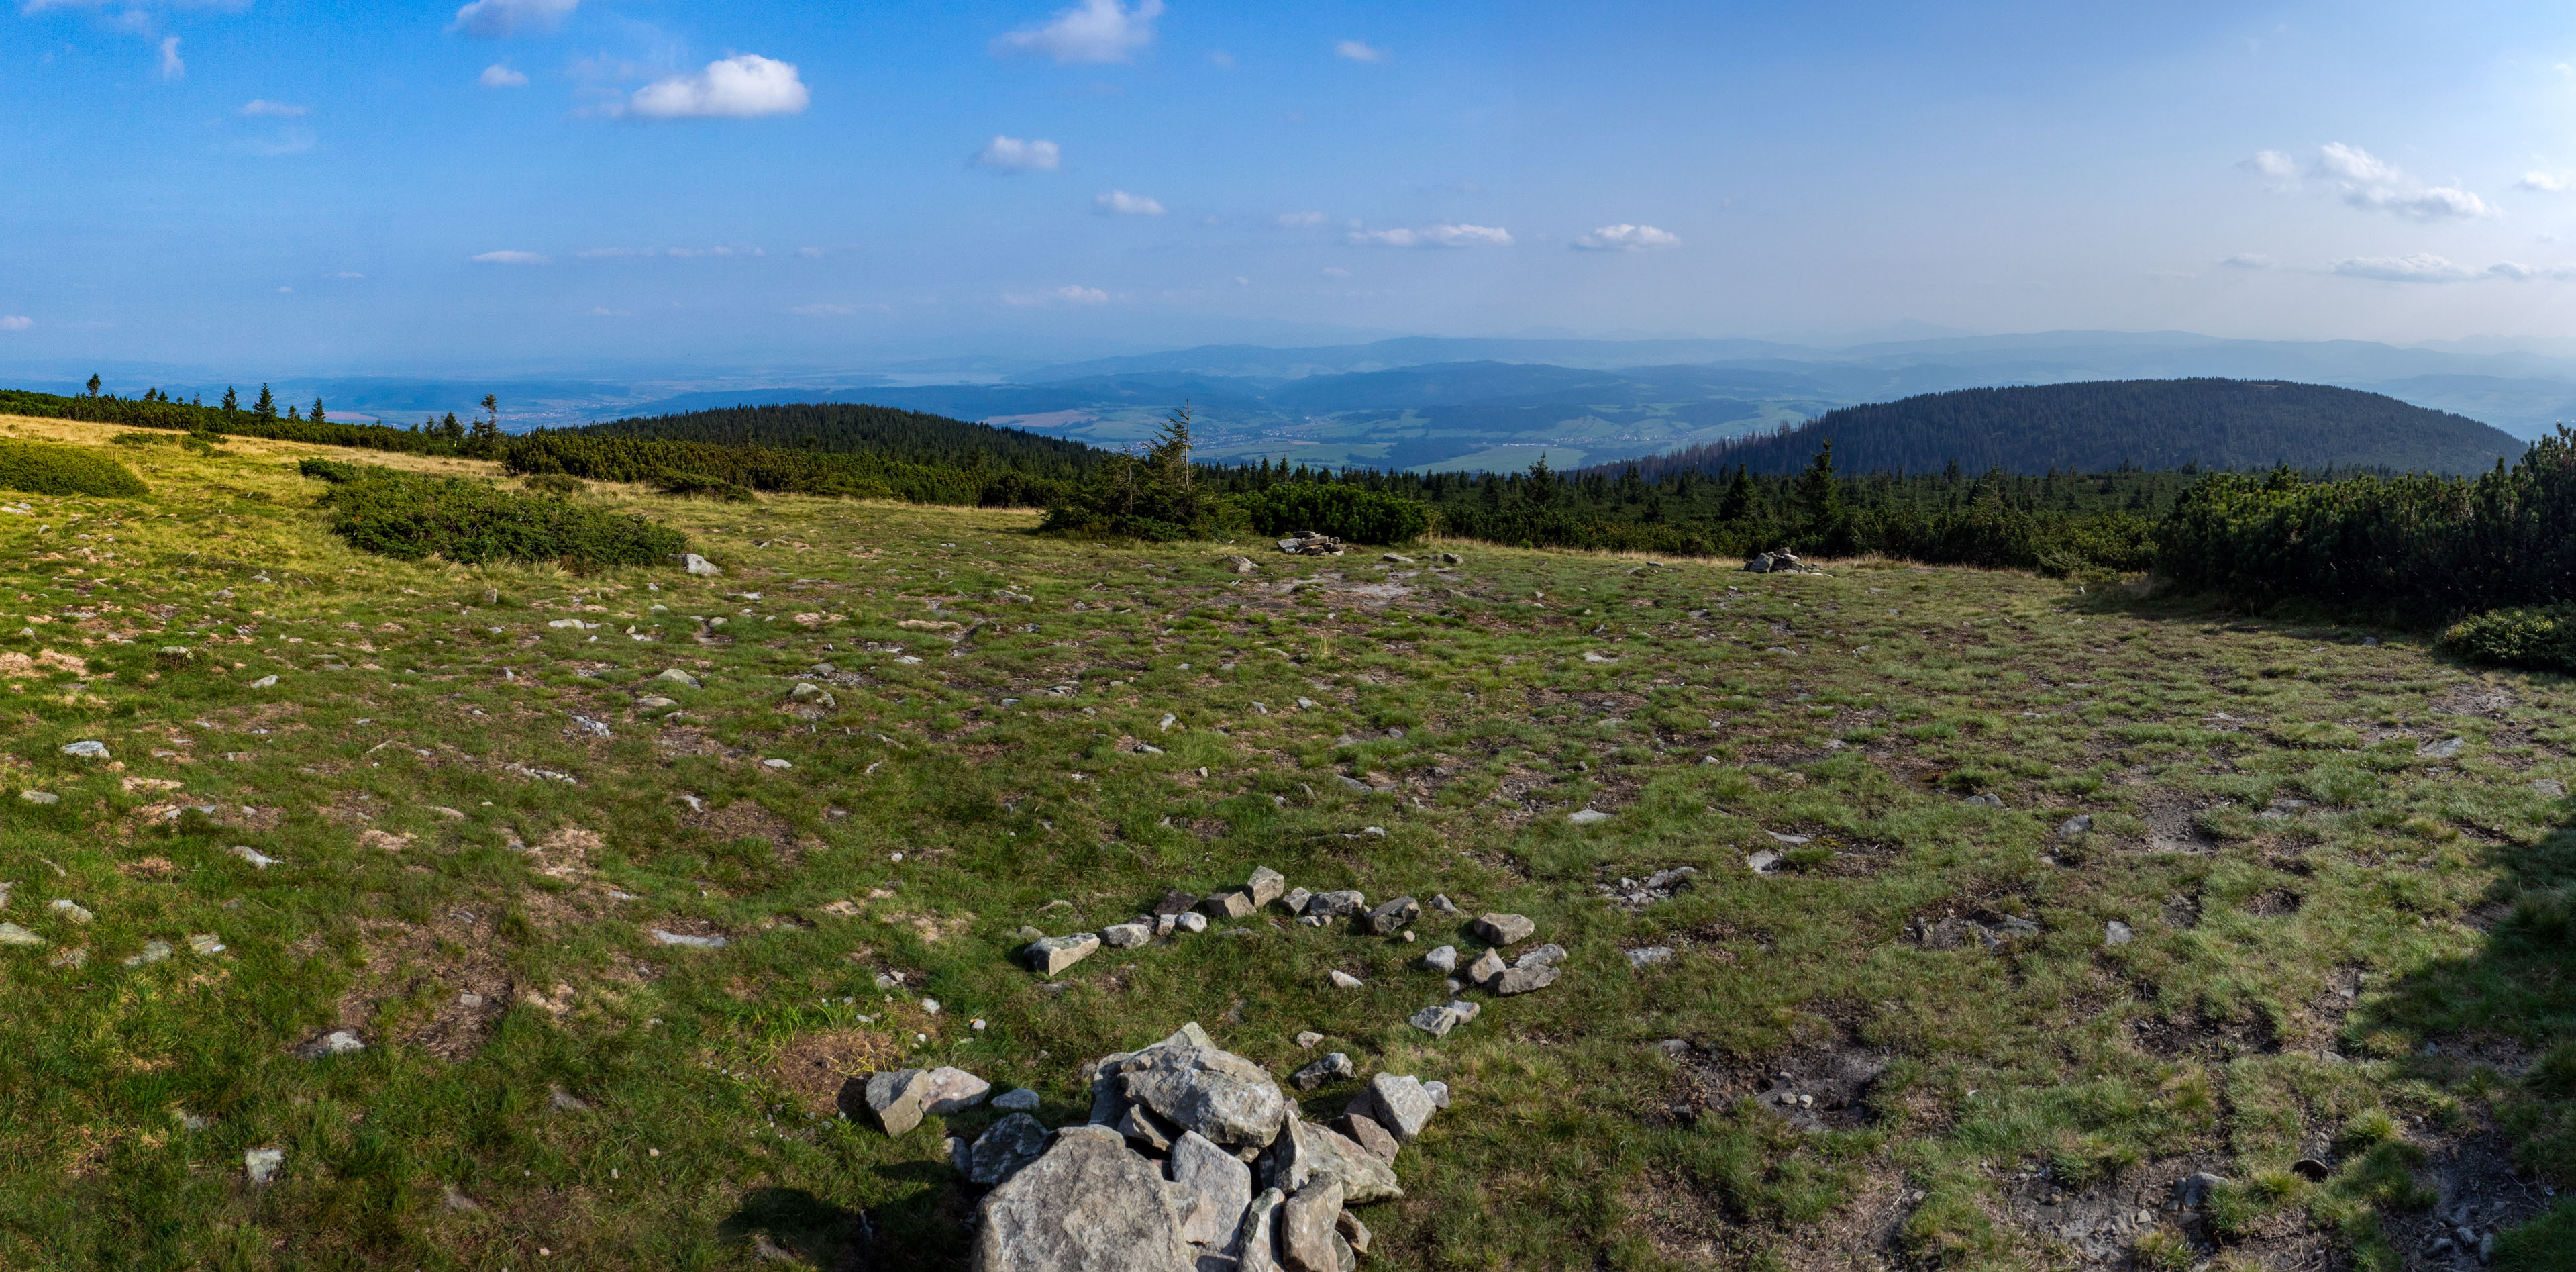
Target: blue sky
559 184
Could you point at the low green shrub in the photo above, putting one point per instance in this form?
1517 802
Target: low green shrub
559 484
2546 1244
1344 512
699 485
44 469
2535 638
146 439
336 472
410 517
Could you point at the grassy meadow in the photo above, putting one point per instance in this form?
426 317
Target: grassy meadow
2325 849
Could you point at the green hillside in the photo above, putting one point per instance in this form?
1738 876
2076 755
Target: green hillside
2105 425
911 437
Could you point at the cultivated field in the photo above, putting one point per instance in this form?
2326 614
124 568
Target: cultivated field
2307 918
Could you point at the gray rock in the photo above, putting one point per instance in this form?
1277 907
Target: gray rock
1018 1101
1442 903
1392 916
1139 1124
686 940
2194 1190
1126 936
953 1090
1333 905
1587 816
88 750
894 1099
2117 933
1090 1204
1522 980
1175 902
262 1164
1548 955
2550 786
1436 1020
1332 1068
1306 1233
1343 980
1763 862
1648 956
678 677
152 952
2447 748
1308 1037
1353 1232
695 564
40 797
1439 1091
1266 885
1397 1102
1307 1153
1488 966
338 1042
1190 922
1365 1132
1256 1240
1214 1187
1502 929
1056 953
12 934
1295 900
1443 960
1989 799
1004 1148
1227 905
2081 823
1218 1094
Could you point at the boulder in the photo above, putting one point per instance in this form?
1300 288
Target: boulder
1502 929
1487 967
893 1099
1522 980
1306 1153
1126 936
1294 900
953 1090
1365 1132
1018 1101
1213 1187
1089 1204
1439 1019
1256 1239
1196 1087
1397 1102
1333 905
1175 902
1228 905
1443 960
1332 1068
1266 885
1004 1148
1056 953
1306 1235
1392 916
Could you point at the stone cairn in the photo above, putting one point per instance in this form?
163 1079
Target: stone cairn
1309 543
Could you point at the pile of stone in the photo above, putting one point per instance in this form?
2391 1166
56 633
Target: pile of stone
1193 1160
1309 543
1782 562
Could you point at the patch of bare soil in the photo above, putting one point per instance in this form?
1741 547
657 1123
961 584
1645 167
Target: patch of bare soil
2171 828
746 819
2479 1191
2273 904
454 962
1822 1084
2176 1037
816 1064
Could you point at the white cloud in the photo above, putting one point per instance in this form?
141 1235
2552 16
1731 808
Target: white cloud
2270 163
1300 220
2421 267
2544 183
285 291
1093 31
686 253
1435 236
824 311
495 19
513 258
2249 260
2524 273
171 67
498 76
2372 184
15 322
1122 203
743 87
1013 154
1358 52
1069 294
1626 238
682 253
348 273
262 106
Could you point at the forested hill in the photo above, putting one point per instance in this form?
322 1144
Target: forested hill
2103 425
910 437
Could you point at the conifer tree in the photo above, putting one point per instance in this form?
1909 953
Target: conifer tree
93 385
232 400
266 407
317 416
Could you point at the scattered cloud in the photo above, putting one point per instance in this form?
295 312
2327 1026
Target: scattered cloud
1358 52
1093 31
285 291
1626 238
1121 203
2421 267
2524 273
171 67
687 253
824 311
258 106
2270 163
1013 154
1301 220
512 258
2249 260
2544 183
500 19
1435 236
1336 271
499 76
1069 294
742 87
348 273
15 322
2374 185
682 253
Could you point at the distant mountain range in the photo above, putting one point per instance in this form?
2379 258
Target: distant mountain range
1435 403
2098 426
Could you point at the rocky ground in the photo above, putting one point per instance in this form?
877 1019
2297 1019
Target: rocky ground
442 917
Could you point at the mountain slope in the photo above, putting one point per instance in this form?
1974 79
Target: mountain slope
2155 424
